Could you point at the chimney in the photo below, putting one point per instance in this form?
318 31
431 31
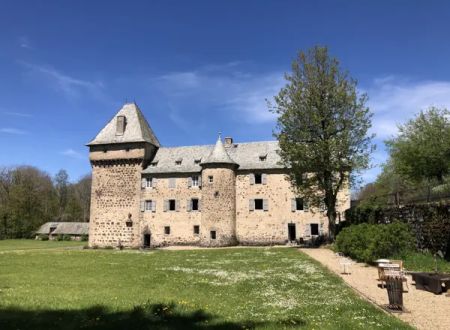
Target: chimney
228 142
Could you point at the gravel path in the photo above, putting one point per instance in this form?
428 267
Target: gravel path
425 310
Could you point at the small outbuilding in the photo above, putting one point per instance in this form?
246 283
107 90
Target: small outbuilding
76 230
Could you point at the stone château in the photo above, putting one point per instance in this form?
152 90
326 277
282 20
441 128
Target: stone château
229 193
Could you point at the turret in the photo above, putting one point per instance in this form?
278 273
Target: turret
118 154
218 221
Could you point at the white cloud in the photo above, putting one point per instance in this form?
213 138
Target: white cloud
70 86
73 154
10 130
221 88
24 42
395 100
17 114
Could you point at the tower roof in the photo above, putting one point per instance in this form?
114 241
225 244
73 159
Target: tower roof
135 128
219 155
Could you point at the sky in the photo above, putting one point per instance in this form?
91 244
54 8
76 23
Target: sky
196 68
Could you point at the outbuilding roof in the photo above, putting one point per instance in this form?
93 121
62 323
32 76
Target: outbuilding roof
64 228
136 128
249 156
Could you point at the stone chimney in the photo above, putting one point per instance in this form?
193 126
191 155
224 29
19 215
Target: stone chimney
228 142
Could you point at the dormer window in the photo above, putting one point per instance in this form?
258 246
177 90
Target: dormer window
197 161
121 123
262 157
179 161
154 164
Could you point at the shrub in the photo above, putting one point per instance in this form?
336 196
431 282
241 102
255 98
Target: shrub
43 237
84 238
67 238
59 237
366 242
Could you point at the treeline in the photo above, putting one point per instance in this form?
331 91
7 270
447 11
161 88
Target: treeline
30 197
418 168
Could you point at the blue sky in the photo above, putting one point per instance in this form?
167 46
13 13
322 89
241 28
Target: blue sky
199 67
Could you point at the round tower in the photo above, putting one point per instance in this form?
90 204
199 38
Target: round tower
218 222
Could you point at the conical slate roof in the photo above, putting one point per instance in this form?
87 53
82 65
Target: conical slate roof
219 155
137 128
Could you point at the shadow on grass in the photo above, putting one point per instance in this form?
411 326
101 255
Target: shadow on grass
148 316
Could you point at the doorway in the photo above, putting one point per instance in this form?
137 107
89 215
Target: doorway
147 241
292 235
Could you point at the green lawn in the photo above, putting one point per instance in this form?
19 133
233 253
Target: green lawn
263 288
28 244
424 262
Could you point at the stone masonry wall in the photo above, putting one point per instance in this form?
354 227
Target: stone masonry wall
271 226
218 207
114 196
181 222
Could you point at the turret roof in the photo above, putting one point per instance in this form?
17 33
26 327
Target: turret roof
137 128
218 155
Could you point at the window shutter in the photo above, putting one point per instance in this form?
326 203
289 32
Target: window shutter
189 205
305 205
199 205
199 180
177 205
153 206
252 178
154 182
264 178
265 204
251 205
166 205
143 183
142 206
321 229
293 205
307 230
190 182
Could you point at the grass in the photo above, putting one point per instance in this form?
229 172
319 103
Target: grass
29 244
241 288
424 262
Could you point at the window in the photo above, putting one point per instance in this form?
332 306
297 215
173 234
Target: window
194 204
195 181
196 230
210 179
179 161
149 182
172 183
154 164
121 123
197 161
259 204
262 157
172 205
167 230
213 234
148 205
314 229
299 204
258 178
216 194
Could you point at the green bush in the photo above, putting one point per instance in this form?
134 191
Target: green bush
84 238
67 238
366 242
43 237
59 237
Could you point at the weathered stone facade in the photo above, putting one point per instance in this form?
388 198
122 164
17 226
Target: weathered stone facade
147 195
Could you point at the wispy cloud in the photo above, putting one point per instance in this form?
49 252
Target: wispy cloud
10 130
24 42
17 114
221 88
70 86
394 100
73 154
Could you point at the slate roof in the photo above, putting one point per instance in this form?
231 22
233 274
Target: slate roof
246 155
137 128
65 228
218 155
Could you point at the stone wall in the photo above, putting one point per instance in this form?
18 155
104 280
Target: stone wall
115 198
181 222
271 226
218 207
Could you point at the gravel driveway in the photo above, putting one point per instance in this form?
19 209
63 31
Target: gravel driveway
425 310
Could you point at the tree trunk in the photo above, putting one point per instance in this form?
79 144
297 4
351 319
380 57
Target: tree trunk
331 214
